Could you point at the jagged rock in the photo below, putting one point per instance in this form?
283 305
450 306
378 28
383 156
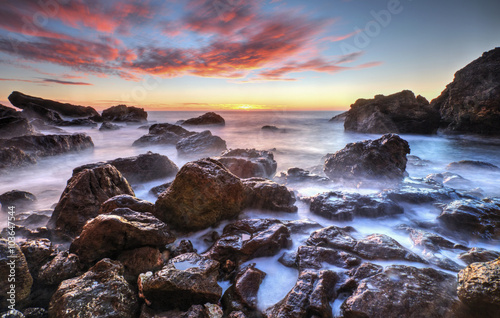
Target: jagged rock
107 235
18 265
78 122
156 191
248 163
471 165
6 111
210 118
340 117
315 257
417 161
20 100
181 247
426 293
298 175
380 160
83 196
100 292
471 102
63 266
201 144
163 134
20 199
14 127
107 126
123 113
268 195
34 111
430 241
477 254
49 145
37 253
35 313
418 193
242 295
188 279
126 201
12 157
141 260
203 193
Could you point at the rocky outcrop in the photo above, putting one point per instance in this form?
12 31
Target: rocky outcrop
471 103
210 118
20 199
399 113
107 126
249 163
22 276
11 157
201 144
123 113
379 160
100 292
49 145
83 196
163 134
14 127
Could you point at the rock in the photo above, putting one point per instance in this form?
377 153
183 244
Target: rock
380 160
476 217
12 314
203 193
249 163
22 101
100 292
63 266
210 118
426 293
418 193
21 200
156 191
35 313
106 126
126 201
181 247
315 257
14 127
310 297
417 161
471 165
35 111
123 113
340 117
141 168
268 195
6 111
141 260
83 196
201 144
344 206
470 102
107 235
270 128
37 253
246 239
479 287
195 311
163 134
298 175
23 279
188 279
49 145
78 122
13 157
477 254
399 113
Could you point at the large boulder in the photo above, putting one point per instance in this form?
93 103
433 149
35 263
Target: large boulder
49 145
34 111
123 113
13 271
203 193
63 266
471 103
14 127
163 134
11 157
20 199
268 195
22 101
249 163
210 118
101 292
107 235
201 144
126 201
400 113
383 159
83 196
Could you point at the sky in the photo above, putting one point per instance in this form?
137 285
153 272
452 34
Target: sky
237 54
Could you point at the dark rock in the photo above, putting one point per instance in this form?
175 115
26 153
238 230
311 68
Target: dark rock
35 313
210 118
181 247
298 175
315 257
22 101
203 193
418 194
13 157
242 295
195 311
270 128
479 287
37 253
426 293
156 191
126 201
6 111
63 266
12 314
332 237
340 117
417 161
471 165
83 196
248 163
78 122
23 279
303 226
49 145
21 200
400 113
430 241
365 270
476 254
380 160
268 195
35 111
310 297
201 144
123 113
344 206
471 103
163 134
14 127
107 235
100 292
187 280
140 260
107 126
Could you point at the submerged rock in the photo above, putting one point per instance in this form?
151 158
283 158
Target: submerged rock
249 163
298 175
340 117
270 128
14 127
107 126
210 118
163 134
268 195
21 200
471 165
201 144
316 257
477 254
124 113
49 145
13 157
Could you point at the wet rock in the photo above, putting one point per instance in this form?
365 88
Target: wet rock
100 292
195 311
471 165
23 101
314 257
188 279
6 111
310 297
83 196
242 295
268 195
63 266
332 237
37 253
365 270
87 122
270 128
298 175
339 118
49 145
470 102
107 126
181 247
479 287
34 111
203 193
476 217
14 127
140 260
35 313
417 161
477 254
12 314
126 201
418 194
156 191
210 118
344 206
23 279
430 241
123 113
400 113
12 157
426 293
201 144
107 235
21 200
303 226
380 160
163 134
248 163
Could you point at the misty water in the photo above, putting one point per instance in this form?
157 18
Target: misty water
303 140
